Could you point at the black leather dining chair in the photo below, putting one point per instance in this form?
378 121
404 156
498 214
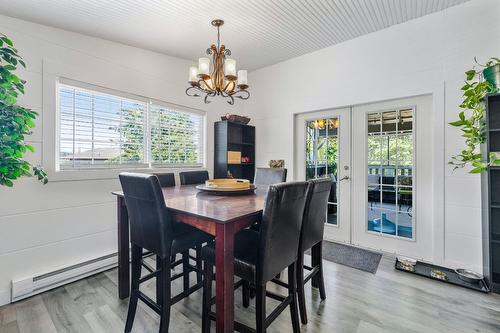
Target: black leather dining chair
167 179
269 176
259 256
311 237
193 177
152 229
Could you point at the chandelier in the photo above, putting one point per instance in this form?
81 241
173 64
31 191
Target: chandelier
223 80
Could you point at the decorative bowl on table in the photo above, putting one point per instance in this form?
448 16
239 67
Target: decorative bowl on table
227 186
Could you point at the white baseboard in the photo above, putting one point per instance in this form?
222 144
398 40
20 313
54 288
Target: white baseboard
4 297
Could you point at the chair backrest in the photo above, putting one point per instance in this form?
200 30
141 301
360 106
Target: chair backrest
193 177
313 224
166 179
269 176
280 228
150 221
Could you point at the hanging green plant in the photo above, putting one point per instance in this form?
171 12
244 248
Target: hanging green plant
471 119
15 121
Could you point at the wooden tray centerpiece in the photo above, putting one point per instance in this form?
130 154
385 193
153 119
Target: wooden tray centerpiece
227 186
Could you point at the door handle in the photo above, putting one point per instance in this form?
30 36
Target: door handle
344 178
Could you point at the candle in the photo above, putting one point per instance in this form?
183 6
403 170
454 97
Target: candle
203 66
193 74
230 69
242 78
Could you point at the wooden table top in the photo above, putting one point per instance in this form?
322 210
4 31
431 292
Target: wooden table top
221 209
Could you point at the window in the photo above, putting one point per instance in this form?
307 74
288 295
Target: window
99 129
390 173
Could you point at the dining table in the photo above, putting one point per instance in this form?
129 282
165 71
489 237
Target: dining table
221 216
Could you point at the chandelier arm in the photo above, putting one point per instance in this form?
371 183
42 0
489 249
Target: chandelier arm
206 99
189 89
241 94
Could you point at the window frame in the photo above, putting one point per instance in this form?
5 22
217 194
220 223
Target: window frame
111 171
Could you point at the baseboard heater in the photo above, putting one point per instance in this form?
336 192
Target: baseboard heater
23 288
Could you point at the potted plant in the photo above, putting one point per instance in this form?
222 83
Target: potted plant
479 82
15 121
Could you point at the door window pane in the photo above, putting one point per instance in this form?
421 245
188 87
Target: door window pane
390 150
322 158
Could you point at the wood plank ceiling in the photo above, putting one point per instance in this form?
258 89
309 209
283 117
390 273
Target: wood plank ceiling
259 32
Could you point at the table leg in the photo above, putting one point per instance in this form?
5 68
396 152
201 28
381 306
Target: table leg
123 250
224 267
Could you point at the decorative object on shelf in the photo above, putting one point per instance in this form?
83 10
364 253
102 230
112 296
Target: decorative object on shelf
477 85
234 157
245 159
277 164
223 81
15 121
227 187
234 118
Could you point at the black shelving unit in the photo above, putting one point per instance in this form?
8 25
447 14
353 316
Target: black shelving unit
491 198
230 136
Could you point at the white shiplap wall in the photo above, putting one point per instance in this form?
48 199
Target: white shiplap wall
425 56
53 226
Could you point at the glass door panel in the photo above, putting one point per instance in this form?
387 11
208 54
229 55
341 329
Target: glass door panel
322 158
390 173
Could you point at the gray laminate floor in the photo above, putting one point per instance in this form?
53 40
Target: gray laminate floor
390 301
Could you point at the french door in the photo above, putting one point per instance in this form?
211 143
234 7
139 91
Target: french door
386 148
392 176
323 150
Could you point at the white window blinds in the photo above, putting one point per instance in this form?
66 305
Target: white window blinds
105 130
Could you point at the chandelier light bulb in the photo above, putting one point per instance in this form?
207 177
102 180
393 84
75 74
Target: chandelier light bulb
203 66
230 69
242 78
193 74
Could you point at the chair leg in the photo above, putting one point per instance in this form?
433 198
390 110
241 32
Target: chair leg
136 275
315 259
260 308
207 295
165 294
159 284
245 294
185 270
318 279
300 288
322 290
292 291
199 265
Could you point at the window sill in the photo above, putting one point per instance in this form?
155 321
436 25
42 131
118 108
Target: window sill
68 175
